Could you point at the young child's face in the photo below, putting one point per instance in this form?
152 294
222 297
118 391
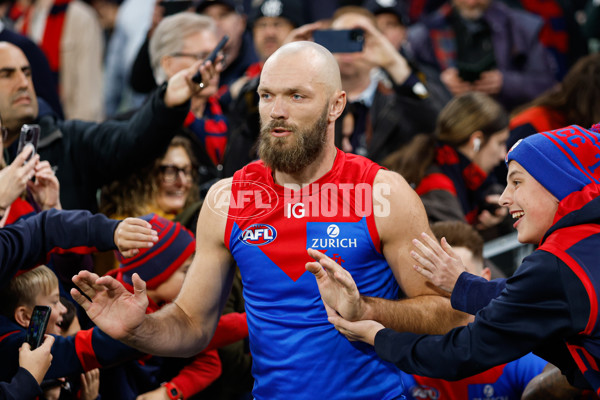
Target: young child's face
52 300
531 204
169 289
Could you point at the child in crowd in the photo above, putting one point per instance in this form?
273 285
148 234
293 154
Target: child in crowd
550 305
164 267
71 355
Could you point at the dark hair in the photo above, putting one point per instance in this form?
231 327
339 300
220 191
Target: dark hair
577 96
132 195
69 316
459 234
463 115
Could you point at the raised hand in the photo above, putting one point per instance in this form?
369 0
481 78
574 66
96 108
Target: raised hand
112 308
14 178
90 385
133 234
46 188
338 289
438 263
181 87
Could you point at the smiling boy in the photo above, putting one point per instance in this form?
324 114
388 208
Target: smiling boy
550 305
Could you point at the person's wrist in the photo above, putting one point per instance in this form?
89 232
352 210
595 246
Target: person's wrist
172 391
365 308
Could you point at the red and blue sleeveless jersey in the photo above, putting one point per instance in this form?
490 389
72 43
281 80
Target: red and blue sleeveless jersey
296 352
503 382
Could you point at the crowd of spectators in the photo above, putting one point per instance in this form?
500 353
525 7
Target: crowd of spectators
439 93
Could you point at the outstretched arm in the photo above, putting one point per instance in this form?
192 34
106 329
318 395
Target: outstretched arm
182 328
425 310
28 241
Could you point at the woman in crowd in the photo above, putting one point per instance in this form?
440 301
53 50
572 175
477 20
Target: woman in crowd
451 169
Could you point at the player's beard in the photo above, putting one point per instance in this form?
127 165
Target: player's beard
291 154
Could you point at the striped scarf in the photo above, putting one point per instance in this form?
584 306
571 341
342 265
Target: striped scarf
211 129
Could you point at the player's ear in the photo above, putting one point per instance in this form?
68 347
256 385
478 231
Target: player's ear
337 105
22 316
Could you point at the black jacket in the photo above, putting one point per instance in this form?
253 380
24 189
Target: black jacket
87 155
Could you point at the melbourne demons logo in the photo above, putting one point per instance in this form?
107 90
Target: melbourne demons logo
421 392
258 235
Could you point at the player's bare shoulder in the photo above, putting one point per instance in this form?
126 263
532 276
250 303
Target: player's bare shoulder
393 182
391 190
213 215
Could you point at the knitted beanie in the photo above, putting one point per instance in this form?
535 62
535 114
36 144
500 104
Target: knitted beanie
156 264
563 161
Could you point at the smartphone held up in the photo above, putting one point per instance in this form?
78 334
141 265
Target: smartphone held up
197 78
340 40
30 134
37 326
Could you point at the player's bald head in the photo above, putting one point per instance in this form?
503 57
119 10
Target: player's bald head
318 62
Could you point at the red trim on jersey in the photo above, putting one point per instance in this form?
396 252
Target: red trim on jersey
459 390
7 335
85 350
577 352
76 250
569 237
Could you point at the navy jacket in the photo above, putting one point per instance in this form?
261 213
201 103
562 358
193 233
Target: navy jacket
22 387
27 242
540 309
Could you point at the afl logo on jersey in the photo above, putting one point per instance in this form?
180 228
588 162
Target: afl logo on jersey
258 235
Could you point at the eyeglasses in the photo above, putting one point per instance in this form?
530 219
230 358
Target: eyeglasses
195 56
170 173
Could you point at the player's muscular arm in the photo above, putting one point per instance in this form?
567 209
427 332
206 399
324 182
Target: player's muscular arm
184 327
209 279
425 310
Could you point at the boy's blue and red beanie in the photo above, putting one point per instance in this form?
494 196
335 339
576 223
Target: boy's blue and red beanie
156 264
563 161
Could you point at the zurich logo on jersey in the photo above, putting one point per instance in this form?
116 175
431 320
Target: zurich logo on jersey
258 235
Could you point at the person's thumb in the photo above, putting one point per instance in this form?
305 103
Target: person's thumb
23 155
139 285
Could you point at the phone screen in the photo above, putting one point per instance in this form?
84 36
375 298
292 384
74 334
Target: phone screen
340 41
29 134
37 326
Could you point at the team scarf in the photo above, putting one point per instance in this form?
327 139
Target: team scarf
211 129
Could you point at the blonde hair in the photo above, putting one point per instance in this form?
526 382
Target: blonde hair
24 289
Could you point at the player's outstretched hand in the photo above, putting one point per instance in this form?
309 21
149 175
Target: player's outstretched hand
112 308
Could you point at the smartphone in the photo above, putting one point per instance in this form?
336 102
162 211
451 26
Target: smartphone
29 134
175 6
471 71
340 41
37 326
211 57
